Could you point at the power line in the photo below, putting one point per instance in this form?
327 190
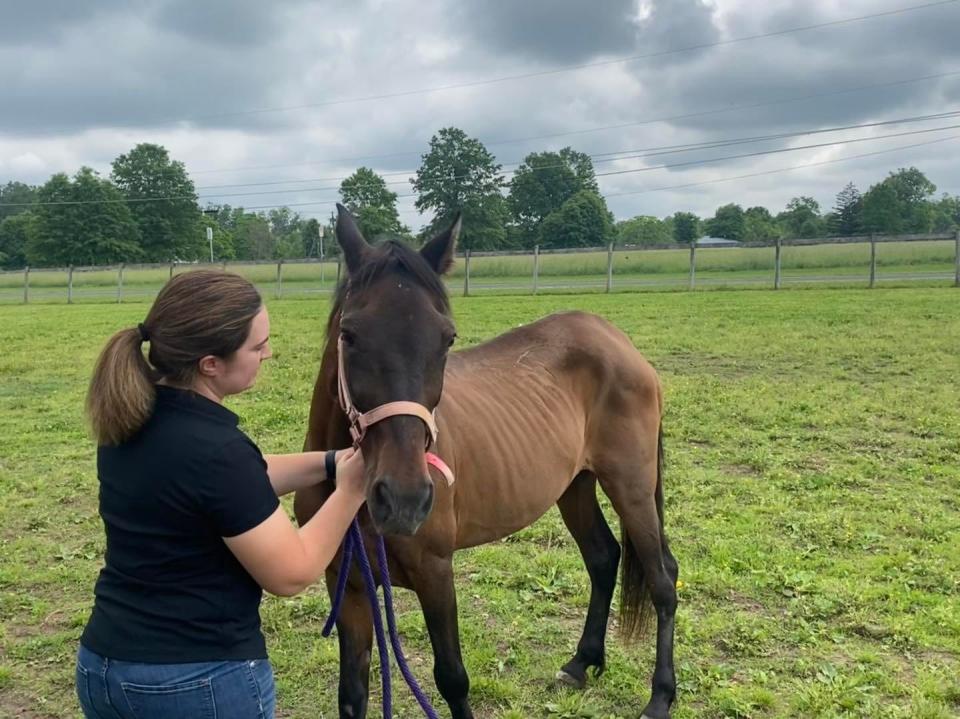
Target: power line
703 182
608 156
659 167
599 174
775 152
603 128
582 66
782 169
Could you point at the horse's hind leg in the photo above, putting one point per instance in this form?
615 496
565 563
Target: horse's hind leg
433 583
633 485
601 553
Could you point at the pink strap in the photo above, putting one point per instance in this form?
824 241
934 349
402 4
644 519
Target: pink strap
441 466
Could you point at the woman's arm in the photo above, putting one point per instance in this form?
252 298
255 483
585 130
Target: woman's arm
290 472
285 560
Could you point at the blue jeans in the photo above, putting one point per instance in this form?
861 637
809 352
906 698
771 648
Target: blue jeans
112 689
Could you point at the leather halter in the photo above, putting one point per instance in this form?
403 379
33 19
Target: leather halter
361 421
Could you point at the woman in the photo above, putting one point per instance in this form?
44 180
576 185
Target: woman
194 528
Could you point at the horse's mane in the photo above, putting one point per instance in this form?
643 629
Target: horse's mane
390 257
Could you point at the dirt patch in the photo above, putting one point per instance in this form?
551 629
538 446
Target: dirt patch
697 364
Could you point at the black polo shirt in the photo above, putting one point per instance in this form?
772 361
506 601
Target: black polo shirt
170 590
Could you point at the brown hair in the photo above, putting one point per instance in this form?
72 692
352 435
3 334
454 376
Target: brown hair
196 314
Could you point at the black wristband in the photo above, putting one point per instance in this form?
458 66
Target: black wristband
330 464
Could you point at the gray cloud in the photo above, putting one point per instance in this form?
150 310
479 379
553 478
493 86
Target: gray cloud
547 30
94 78
32 22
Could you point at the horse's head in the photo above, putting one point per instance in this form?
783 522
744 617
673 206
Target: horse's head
395 333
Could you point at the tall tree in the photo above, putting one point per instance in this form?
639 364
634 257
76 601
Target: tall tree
542 183
727 222
802 218
253 239
582 221
847 219
366 195
16 197
686 228
759 225
946 214
900 203
310 238
82 221
285 226
644 230
458 174
163 201
16 232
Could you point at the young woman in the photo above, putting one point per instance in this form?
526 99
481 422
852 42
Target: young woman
193 525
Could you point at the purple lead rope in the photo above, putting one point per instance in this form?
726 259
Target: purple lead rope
395 636
353 546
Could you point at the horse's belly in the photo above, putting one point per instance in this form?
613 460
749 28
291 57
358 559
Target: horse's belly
494 504
516 450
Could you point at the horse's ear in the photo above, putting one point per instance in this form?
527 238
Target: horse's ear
350 239
438 252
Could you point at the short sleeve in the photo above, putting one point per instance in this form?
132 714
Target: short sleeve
237 492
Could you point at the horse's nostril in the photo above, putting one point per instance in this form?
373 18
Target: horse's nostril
381 495
427 503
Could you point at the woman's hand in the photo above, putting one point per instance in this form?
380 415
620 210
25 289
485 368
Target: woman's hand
350 474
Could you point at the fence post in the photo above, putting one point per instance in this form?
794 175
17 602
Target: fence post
279 279
120 283
466 274
338 271
70 285
956 258
609 267
776 271
873 260
171 270
693 263
224 263
536 268
26 284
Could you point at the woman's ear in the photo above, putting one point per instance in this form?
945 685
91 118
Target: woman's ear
209 366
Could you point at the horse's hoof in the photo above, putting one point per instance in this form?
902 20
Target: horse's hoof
570 680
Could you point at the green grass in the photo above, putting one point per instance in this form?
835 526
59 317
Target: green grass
812 498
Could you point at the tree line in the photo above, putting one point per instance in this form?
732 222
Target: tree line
147 210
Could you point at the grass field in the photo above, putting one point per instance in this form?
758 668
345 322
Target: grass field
835 265
812 499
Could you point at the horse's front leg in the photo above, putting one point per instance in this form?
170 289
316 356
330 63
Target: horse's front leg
438 599
355 635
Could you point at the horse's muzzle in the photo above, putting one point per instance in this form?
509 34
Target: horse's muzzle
397 510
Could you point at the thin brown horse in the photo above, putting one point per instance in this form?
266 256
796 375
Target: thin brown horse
535 417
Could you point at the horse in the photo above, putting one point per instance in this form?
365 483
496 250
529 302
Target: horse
536 417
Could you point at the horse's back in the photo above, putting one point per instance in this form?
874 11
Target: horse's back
576 348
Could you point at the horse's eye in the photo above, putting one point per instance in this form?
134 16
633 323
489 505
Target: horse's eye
348 337
451 340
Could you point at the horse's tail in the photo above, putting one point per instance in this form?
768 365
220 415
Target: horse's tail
635 604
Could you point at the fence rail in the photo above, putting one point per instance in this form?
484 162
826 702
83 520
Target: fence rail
604 269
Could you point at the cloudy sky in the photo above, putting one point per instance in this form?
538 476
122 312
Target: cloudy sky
281 100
